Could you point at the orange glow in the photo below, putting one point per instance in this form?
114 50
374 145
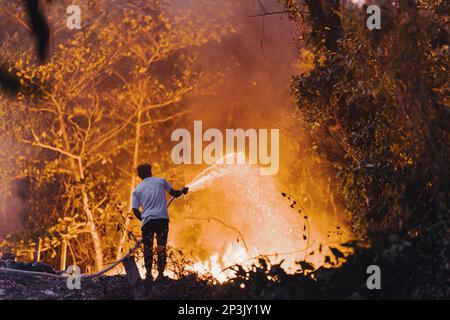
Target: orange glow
250 218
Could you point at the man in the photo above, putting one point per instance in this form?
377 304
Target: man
150 196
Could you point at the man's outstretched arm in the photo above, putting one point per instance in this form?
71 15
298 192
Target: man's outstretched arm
178 193
137 213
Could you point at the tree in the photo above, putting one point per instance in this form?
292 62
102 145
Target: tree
99 94
376 104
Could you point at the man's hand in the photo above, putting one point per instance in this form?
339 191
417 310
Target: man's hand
178 193
137 213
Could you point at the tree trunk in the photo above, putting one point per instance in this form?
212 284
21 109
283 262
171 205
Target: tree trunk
97 241
78 173
94 233
37 250
62 261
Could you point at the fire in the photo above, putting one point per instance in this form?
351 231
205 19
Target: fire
253 220
217 265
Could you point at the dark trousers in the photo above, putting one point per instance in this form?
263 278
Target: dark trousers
160 229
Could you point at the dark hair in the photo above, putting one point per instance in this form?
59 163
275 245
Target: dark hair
144 170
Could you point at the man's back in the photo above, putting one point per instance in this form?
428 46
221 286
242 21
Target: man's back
150 195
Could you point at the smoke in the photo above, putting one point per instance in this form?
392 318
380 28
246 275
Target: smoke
13 192
256 64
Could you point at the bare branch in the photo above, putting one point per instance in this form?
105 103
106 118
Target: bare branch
37 142
179 114
268 13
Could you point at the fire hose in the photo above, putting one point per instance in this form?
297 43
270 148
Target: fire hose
85 276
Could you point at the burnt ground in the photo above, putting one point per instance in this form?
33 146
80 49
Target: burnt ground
33 287
417 269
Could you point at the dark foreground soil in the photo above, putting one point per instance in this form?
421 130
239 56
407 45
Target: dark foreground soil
409 270
31 287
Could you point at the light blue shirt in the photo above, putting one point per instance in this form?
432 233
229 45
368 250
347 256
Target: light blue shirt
150 195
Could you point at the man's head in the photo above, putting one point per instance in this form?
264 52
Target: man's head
144 170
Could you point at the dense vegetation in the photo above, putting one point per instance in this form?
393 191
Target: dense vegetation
376 105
